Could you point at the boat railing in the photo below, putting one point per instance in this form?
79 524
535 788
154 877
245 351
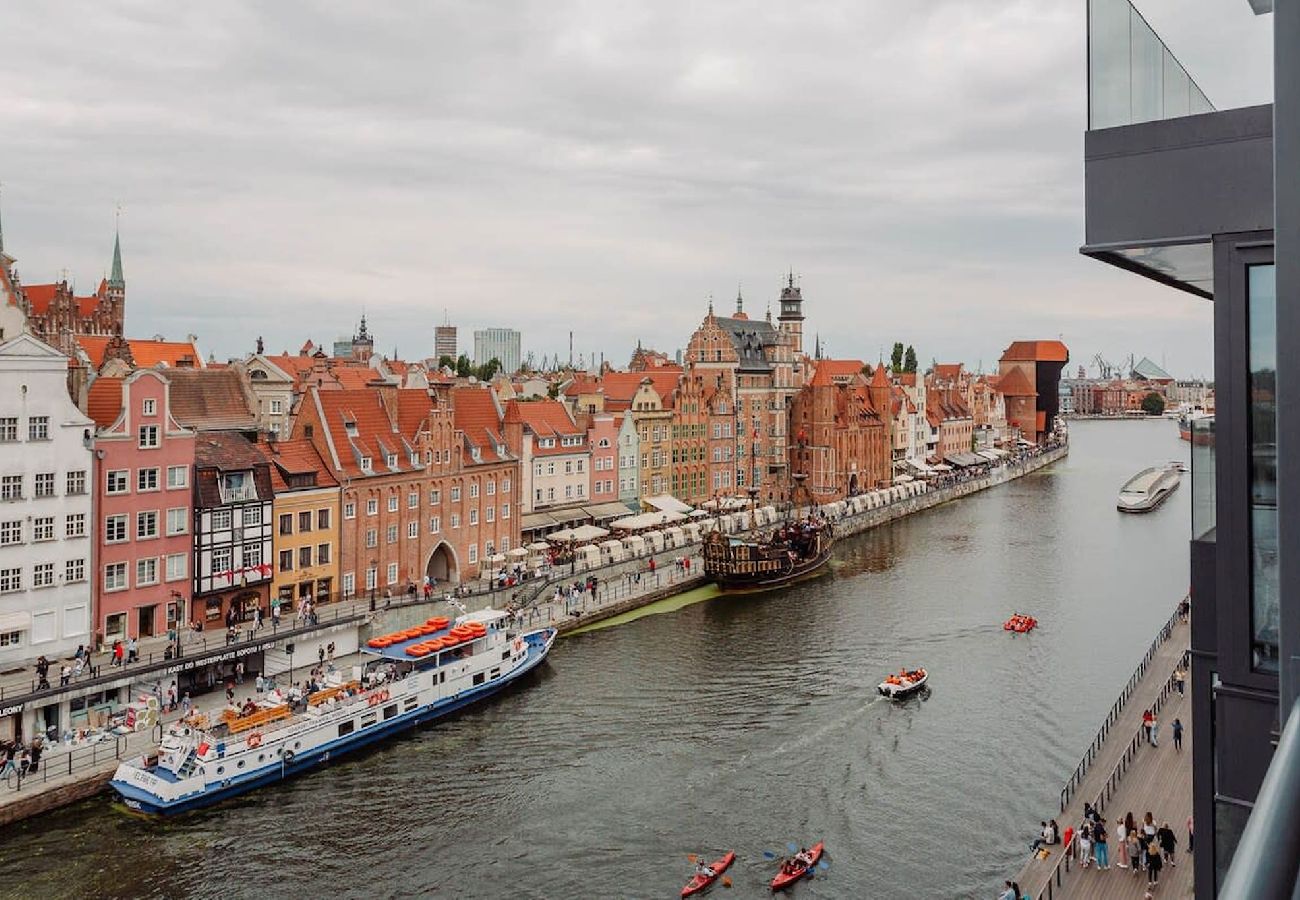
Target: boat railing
1081 770
1069 853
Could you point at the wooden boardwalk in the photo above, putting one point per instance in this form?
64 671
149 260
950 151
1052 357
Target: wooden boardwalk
1128 775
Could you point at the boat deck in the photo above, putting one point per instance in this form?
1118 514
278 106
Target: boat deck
1143 481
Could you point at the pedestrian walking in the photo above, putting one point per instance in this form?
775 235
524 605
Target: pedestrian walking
65 675
118 653
1180 680
186 705
1155 730
1189 834
230 693
1099 840
1134 851
1154 864
258 684
1148 828
171 698
257 618
132 650
320 653
1121 842
1177 728
1168 843
1146 724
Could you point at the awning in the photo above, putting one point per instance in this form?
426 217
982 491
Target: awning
918 464
963 460
537 520
581 533
989 455
667 503
646 520
539 546
902 479
518 552
941 468
15 621
605 511
568 514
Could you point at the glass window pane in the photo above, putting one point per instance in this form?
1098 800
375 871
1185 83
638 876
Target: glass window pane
1262 419
1201 432
1177 88
1108 63
1146 53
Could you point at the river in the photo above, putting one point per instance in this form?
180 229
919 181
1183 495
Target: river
731 722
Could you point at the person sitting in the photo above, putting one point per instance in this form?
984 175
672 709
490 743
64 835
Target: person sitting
704 870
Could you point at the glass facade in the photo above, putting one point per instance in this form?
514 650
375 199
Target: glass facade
1261 311
1203 496
1132 76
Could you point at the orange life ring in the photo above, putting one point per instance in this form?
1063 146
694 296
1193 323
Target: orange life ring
254 740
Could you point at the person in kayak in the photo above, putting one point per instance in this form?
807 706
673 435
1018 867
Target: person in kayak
704 870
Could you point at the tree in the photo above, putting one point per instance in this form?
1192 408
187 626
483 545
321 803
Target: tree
463 368
488 370
909 361
867 371
553 391
446 362
896 357
1153 404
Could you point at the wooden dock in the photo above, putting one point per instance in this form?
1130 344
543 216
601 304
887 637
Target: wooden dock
1122 773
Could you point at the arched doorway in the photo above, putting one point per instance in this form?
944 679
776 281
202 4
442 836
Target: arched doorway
442 566
853 484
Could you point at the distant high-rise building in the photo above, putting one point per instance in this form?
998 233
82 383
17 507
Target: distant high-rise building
501 344
444 341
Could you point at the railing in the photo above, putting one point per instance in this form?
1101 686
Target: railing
56 764
1116 708
1267 860
1056 877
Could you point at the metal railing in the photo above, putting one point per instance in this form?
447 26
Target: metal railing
1081 770
1056 878
56 764
1267 860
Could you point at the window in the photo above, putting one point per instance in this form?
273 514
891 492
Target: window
252 515
550 468
177 520
372 506
435 497
146 571
435 524
372 537
115 529
490 514
252 554
322 554
1262 427
568 491
349 584
38 428
455 520
473 553
537 496
177 477
505 510
223 560
286 523
221 519
43 575
391 459
114 577
372 578
43 528
11 580
286 560
505 485
392 503
392 573
392 534
413 500
412 529
455 494
568 467
150 406
365 464
349 510
550 493
322 519
44 484
148 436
11 487
304 557
304 521
74 570
146 480
11 532
491 488
76 482
473 517
277 407
146 524
8 429
176 566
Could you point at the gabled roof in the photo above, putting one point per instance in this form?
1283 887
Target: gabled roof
297 457
478 417
146 353
947 371
621 387
750 337
1039 351
104 401
1016 384
212 400
544 418
227 451
836 371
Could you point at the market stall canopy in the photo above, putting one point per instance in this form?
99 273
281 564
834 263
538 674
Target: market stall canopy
727 503
940 468
918 464
964 460
518 552
539 546
699 514
989 455
667 503
646 520
600 512
497 558
581 533
902 479
571 514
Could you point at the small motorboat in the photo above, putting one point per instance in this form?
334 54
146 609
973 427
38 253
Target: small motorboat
1020 624
904 684
1177 465
797 866
700 882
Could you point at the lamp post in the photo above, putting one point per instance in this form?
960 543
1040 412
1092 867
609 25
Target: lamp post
573 555
176 629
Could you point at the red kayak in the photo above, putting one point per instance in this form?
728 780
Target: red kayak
795 868
700 882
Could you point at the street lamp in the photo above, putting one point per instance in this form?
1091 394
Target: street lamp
176 624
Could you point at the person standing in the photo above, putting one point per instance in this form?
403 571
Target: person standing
132 650
1146 724
1153 863
1168 843
1085 845
65 675
1099 839
1134 851
1180 680
1178 735
1121 842
1189 834
1155 730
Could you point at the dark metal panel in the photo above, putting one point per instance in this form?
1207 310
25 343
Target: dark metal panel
1179 179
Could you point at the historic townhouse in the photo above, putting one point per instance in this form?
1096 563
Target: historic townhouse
554 455
841 441
690 434
305 510
721 446
652 415
274 389
45 506
629 462
232 562
602 436
948 413
143 506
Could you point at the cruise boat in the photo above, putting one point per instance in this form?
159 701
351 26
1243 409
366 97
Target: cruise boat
413 677
1148 489
792 551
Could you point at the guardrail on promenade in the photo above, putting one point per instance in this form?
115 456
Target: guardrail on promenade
1116 708
56 764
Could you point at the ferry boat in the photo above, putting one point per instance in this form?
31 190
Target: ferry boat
1148 489
1185 427
792 551
904 684
414 677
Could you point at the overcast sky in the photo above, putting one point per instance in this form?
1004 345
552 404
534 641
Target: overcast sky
596 166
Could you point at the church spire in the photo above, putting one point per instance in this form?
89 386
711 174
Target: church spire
710 304
740 302
115 280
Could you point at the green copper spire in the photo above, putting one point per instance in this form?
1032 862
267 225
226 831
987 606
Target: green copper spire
116 280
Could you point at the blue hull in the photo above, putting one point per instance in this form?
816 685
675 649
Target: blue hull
145 802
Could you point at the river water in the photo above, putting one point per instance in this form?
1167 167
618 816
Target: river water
726 723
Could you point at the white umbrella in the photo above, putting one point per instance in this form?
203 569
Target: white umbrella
539 546
497 558
518 552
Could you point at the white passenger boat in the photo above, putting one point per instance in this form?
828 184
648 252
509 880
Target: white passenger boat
904 684
1148 489
411 679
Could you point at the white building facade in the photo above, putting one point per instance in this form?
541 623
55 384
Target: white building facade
501 344
45 506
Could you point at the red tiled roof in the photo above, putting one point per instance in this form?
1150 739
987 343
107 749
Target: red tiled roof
907 378
1041 351
476 415
298 457
546 419
104 402
947 371
621 387
360 426
1016 384
211 400
582 385
880 378
146 353
829 371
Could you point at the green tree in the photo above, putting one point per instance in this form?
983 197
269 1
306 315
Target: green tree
463 367
867 371
488 370
554 391
896 357
446 362
909 361
1153 404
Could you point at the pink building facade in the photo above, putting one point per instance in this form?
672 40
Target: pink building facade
602 435
144 464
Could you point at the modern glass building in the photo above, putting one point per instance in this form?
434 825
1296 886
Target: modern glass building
1185 194
501 344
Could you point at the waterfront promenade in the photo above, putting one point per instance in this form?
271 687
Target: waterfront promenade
1122 773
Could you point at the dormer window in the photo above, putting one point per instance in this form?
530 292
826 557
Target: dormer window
350 427
415 457
392 460
365 464
237 487
476 454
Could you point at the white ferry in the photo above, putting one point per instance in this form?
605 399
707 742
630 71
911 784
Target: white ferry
1148 489
416 676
